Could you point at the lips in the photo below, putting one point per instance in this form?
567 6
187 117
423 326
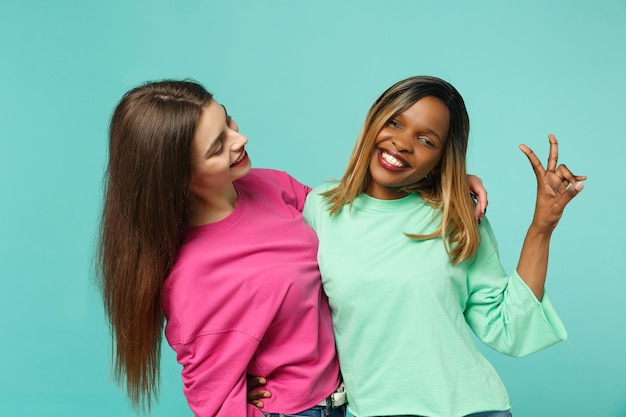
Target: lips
391 161
239 161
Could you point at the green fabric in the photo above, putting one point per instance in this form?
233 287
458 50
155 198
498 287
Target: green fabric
401 310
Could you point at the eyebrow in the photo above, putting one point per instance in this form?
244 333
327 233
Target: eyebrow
220 137
434 134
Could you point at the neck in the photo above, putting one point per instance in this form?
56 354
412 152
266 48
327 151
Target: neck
386 193
213 206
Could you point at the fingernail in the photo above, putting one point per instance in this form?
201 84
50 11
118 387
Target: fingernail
579 186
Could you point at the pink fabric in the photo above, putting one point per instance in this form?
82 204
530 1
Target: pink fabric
245 295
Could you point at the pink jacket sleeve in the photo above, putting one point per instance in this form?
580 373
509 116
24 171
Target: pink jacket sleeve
298 193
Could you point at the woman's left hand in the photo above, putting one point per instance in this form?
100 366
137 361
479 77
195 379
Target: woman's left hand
556 187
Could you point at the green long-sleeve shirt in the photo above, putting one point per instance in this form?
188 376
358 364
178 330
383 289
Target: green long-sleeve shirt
401 310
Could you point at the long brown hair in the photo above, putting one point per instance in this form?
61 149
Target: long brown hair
146 204
445 188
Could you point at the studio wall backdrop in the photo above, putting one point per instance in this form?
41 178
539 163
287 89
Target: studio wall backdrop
299 76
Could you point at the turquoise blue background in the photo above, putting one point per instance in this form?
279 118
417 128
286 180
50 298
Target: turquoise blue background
299 77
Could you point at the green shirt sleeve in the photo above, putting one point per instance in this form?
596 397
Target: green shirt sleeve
502 310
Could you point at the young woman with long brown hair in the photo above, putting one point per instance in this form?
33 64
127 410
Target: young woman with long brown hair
408 271
190 233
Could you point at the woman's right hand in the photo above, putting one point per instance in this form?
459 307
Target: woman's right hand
255 393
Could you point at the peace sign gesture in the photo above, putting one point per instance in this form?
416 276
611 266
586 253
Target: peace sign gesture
556 187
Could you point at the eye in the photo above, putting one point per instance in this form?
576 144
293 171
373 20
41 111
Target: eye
393 123
426 140
218 151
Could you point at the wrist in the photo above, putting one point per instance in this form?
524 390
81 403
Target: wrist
540 230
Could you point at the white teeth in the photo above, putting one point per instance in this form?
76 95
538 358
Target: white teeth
240 158
390 159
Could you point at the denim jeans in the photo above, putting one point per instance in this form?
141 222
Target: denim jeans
506 413
317 411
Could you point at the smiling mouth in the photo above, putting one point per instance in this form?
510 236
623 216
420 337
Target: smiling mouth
392 160
241 158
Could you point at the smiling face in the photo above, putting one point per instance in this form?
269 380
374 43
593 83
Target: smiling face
218 155
408 148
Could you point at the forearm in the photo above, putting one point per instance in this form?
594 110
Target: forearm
533 261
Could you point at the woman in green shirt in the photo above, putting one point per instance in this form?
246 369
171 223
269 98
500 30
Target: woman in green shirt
408 271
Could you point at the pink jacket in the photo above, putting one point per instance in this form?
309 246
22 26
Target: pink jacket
244 296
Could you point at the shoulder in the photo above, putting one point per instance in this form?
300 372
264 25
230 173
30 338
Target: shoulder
487 237
264 175
316 197
270 177
316 206
488 246
317 192
277 186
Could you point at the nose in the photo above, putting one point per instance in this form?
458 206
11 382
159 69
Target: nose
402 142
238 141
